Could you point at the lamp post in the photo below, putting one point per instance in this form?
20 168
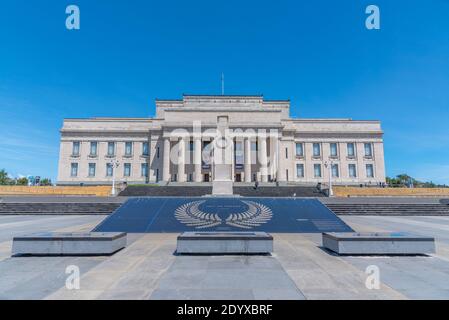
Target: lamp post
328 164
114 164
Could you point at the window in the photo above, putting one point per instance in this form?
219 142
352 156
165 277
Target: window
144 169
191 145
111 149
145 149
368 150
351 150
286 153
93 148
128 149
109 170
335 171
74 170
299 170
127 169
76 149
352 171
299 150
334 150
369 171
158 152
91 169
316 150
317 170
254 146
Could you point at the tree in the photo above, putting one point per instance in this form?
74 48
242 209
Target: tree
22 181
46 182
4 179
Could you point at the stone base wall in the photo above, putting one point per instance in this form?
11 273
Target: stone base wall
340 191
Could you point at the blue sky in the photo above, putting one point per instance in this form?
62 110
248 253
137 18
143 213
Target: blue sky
316 53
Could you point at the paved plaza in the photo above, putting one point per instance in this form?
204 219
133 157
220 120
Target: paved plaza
299 268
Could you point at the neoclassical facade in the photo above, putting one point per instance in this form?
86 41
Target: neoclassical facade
176 145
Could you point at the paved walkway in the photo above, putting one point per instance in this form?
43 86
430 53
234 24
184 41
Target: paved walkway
298 269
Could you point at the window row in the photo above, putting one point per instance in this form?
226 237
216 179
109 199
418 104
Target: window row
111 149
350 150
317 170
109 170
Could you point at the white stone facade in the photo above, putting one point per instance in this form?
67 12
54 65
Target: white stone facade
268 145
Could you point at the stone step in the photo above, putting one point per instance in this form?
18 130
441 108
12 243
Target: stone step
62 208
389 209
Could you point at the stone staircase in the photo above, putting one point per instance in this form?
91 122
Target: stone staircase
284 191
101 208
198 191
390 209
166 191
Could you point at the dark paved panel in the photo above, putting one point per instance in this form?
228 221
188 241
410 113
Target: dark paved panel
281 215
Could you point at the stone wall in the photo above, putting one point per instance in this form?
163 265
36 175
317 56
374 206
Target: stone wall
101 191
390 192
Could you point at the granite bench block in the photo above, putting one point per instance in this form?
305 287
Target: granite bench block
395 243
49 243
224 243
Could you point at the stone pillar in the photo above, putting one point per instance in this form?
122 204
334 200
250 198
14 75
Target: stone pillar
263 160
197 159
166 160
181 160
247 160
277 158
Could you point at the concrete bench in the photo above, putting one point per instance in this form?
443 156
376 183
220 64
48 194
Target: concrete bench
60 244
395 243
225 243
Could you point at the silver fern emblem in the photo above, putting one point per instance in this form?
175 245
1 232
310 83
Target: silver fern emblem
256 215
192 216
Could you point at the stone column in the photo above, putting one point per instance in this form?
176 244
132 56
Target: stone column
277 158
247 160
181 160
166 160
263 160
197 159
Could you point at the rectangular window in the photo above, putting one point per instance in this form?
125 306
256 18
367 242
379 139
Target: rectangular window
351 150
76 149
127 169
334 150
317 170
316 150
109 170
144 169
145 149
74 170
128 148
191 145
368 150
286 153
111 149
335 171
369 171
239 155
352 171
92 169
157 155
299 170
254 146
93 148
299 150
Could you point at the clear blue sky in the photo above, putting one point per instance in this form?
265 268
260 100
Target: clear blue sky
316 53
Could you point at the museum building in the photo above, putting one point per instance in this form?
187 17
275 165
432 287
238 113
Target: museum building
175 145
